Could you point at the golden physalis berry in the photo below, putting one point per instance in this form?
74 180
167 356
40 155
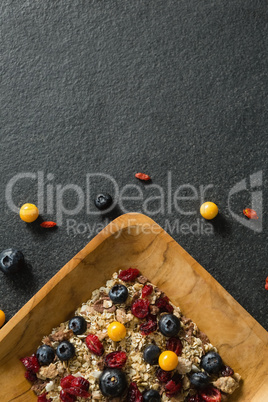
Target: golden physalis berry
116 331
209 210
168 360
2 318
29 212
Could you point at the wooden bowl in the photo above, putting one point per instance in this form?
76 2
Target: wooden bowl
136 240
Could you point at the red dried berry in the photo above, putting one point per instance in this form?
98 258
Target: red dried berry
30 375
94 345
48 224
163 376
31 363
77 392
66 382
175 345
134 394
146 290
129 275
173 386
266 283
227 371
211 395
80 382
115 359
151 317
163 304
250 213
64 397
140 308
195 398
43 398
142 176
148 327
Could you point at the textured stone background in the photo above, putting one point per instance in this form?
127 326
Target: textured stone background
123 86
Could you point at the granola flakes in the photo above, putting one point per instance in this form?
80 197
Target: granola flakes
99 312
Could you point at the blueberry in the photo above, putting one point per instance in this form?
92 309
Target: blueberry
211 362
151 396
11 261
151 354
78 325
118 294
65 350
199 380
45 354
103 201
112 382
169 325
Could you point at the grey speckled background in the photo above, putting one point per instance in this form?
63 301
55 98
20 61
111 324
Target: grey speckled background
124 86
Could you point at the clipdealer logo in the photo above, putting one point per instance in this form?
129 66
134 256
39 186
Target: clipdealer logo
152 200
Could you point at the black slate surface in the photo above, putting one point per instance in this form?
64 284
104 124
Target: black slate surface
116 87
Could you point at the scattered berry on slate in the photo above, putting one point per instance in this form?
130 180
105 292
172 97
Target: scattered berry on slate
103 201
118 294
11 261
78 325
45 355
112 382
65 350
169 325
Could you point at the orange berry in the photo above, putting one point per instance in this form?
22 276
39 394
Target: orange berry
116 331
29 212
2 318
168 360
209 210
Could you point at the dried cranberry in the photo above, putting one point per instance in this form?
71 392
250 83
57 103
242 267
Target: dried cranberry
148 327
115 359
64 397
174 385
151 317
195 398
175 345
77 392
31 363
146 290
134 394
140 308
227 371
129 275
163 304
94 345
163 376
43 398
80 382
211 395
30 375
66 382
